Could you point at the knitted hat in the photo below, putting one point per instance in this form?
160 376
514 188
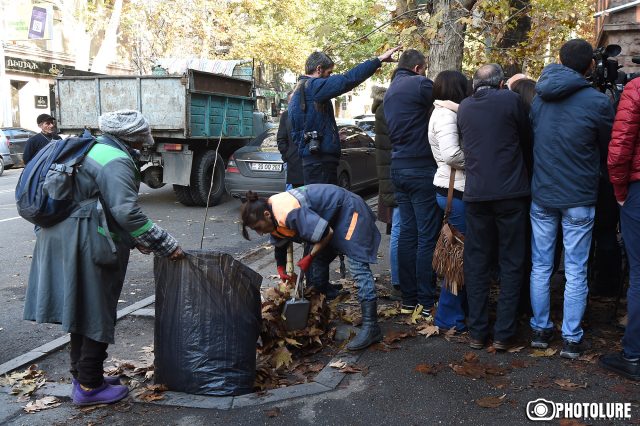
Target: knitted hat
126 124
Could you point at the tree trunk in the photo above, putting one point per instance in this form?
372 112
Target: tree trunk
516 35
74 31
448 46
108 48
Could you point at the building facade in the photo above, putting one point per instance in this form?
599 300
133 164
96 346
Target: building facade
618 22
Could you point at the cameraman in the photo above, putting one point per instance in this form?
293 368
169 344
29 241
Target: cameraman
572 126
313 125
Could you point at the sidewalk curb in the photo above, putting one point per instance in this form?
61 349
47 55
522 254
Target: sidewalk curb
56 344
327 380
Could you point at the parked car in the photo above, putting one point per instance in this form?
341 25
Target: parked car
6 162
367 123
258 166
17 139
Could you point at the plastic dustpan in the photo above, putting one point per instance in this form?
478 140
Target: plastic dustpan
296 309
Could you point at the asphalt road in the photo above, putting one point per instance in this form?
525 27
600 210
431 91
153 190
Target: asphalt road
17 241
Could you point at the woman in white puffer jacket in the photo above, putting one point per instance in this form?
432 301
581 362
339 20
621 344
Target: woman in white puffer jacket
449 89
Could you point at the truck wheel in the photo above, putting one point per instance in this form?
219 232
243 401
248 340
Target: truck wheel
183 194
201 179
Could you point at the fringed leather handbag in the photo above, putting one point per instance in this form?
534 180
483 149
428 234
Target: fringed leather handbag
447 256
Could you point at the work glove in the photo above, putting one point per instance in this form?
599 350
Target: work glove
305 263
283 273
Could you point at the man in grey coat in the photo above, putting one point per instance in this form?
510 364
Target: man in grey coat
79 264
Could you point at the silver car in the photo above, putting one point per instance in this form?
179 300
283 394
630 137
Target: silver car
16 139
258 166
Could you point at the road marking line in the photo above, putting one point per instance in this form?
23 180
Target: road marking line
11 218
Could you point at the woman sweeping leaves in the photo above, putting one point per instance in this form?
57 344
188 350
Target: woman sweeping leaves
335 221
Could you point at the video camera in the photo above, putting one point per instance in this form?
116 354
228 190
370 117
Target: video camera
606 75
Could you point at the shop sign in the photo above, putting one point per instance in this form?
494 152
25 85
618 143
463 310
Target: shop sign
42 102
32 67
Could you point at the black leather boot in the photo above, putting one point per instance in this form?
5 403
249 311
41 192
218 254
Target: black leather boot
370 331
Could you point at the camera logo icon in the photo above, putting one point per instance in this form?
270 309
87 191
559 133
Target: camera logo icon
541 409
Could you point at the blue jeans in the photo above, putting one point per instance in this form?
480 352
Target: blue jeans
577 226
362 275
393 247
361 272
630 222
420 224
452 308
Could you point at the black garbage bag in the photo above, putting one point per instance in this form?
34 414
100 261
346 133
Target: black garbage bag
208 316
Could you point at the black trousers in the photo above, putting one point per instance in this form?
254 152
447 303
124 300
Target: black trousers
87 358
320 173
491 224
608 257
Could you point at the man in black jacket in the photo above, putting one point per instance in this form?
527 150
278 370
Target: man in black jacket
407 105
35 143
289 151
494 126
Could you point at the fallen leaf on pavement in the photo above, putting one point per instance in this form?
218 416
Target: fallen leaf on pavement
41 404
590 358
425 369
428 330
151 392
492 350
415 315
567 385
470 357
536 353
338 364
394 336
452 336
515 349
388 312
491 401
281 357
351 369
292 342
518 363
275 412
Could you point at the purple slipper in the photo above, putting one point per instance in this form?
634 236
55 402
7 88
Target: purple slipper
104 394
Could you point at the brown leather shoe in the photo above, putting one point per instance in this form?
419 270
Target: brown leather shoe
503 345
476 343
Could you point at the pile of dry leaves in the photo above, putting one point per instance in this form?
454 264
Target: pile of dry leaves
278 347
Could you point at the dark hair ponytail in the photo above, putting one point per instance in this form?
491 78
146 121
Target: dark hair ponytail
251 211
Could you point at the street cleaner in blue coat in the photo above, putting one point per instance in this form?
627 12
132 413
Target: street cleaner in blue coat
79 264
334 221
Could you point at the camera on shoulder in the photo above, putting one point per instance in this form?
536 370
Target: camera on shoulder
313 140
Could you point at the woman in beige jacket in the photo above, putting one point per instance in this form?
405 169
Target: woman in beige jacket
449 89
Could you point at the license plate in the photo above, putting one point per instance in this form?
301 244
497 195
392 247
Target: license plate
265 167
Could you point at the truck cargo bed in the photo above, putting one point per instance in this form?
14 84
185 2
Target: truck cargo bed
197 105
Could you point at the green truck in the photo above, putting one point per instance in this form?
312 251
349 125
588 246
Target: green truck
197 119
